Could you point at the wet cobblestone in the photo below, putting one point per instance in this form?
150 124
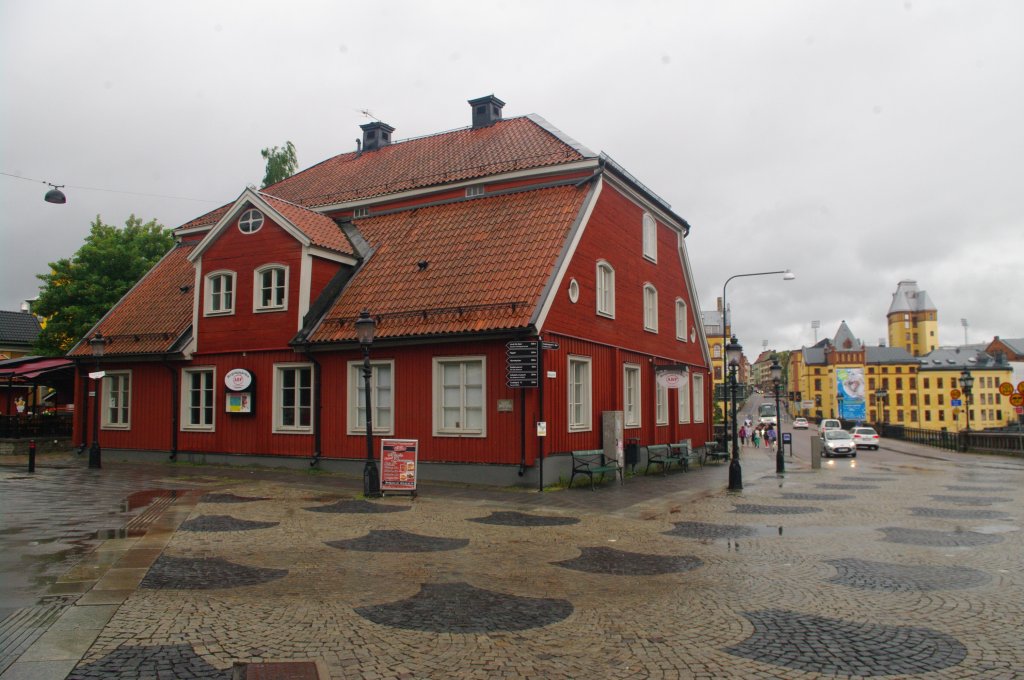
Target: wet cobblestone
850 487
892 578
358 507
189 573
938 539
954 513
223 523
969 500
816 496
159 662
706 530
230 498
394 540
602 560
522 519
754 509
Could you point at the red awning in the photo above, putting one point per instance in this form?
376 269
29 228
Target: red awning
33 369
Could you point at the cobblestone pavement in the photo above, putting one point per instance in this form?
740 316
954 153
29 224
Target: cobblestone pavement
905 573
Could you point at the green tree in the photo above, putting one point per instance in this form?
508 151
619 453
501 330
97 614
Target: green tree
79 290
281 164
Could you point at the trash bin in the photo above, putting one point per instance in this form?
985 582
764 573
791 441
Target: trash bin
632 452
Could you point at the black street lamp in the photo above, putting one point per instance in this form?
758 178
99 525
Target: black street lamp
734 354
786 276
98 344
776 373
881 395
839 400
365 327
967 383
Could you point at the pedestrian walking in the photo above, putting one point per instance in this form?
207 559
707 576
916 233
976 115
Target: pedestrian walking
770 437
743 435
756 439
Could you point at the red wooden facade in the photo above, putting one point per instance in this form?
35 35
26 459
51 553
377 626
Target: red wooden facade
449 274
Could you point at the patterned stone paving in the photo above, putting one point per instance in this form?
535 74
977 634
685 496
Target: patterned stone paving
522 519
755 509
954 513
395 540
223 523
705 530
849 487
834 646
462 608
160 662
816 496
939 539
964 487
871 478
190 573
229 498
892 578
969 500
604 560
358 507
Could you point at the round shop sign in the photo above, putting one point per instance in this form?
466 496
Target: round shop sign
238 379
672 379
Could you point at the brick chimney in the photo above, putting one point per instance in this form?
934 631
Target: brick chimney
376 135
486 111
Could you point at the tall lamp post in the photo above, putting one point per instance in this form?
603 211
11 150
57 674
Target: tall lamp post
786 276
365 328
839 401
881 395
967 383
776 373
734 353
97 344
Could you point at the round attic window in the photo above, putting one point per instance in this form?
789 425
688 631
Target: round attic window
250 221
574 290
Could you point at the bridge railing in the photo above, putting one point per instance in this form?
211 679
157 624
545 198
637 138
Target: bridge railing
976 440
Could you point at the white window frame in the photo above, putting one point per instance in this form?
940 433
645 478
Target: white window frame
253 219
650 308
683 400
605 289
461 430
681 325
224 275
581 397
207 402
650 237
116 397
360 212
279 427
631 396
661 404
356 398
698 397
257 288
474 190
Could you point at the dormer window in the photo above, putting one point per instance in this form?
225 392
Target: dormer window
220 293
250 221
475 190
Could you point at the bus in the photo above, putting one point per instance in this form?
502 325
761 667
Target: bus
766 414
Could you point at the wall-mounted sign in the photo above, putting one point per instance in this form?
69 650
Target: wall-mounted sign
237 379
398 464
504 406
238 402
672 376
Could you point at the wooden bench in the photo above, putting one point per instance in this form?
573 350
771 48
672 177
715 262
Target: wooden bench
591 462
685 455
714 453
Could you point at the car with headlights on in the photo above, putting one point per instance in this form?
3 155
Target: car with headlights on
865 438
837 443
800 424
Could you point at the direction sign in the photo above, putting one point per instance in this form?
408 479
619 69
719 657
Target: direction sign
521 361
522 344
520 383
955 402
521 352
549 345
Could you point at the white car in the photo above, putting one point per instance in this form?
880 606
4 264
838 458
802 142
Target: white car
829 424
800 424
865 437
838 443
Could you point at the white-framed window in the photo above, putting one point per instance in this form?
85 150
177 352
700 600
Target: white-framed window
650 308
605 289
684 400
698 397
116 400
579 394
681 319
475 190
630 395
717 351
361 212
382 396
220 293
293 398
250 221
459 389
661 403
574 291
650 238
198 399
270 288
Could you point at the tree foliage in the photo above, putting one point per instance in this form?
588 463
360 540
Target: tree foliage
281 164
79 290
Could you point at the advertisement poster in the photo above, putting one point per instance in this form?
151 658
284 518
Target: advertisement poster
850 383
398 464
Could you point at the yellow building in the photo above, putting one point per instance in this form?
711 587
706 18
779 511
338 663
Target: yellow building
717 334
913 320
941 387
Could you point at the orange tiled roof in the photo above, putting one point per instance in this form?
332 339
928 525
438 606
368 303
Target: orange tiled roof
488 262
151 317
511 144
321 230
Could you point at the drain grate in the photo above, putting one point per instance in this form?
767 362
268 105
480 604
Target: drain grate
277 670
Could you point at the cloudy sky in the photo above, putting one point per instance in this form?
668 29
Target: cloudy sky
857 143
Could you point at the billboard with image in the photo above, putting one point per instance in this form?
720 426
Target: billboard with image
850 393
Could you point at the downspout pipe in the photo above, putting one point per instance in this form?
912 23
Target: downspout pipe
83 413
175 409
318 410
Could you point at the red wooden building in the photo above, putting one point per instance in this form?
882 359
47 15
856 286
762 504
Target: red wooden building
457 244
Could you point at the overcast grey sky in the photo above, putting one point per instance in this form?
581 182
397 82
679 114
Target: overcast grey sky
858 143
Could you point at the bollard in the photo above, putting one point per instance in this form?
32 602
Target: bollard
32 455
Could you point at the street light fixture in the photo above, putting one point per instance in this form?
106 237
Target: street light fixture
881 395
776 373
967 383
786 276
365 328
98 345
734 354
